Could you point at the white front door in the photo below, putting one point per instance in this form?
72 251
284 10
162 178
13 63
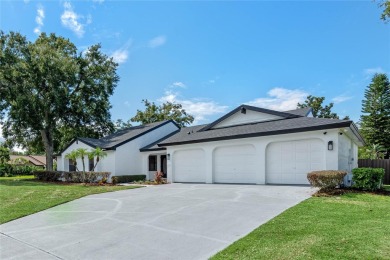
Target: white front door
290 162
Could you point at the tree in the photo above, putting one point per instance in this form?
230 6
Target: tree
4 154
375 121
120 124
48 88
385 4
165 111
99 154
82 153
318 109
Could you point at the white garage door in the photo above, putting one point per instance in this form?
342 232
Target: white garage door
290 162
235 164
189 166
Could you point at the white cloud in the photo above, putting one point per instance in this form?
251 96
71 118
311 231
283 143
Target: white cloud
340 99
157 41
199 109
71 20
281 99
122 54
179 84
371 71
39 19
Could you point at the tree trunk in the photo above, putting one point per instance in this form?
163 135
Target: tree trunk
48 143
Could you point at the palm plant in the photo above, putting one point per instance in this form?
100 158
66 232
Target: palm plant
376 151
73 155
82 153
98 153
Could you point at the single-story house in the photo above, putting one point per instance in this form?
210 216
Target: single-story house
247 145
31 160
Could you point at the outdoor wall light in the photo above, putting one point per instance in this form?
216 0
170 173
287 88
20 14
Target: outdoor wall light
168 156
330 145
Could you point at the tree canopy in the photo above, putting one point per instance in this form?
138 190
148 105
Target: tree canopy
50 92
375 120
319 110
155 113
385 4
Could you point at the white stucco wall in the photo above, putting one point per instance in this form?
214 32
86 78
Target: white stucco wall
129 160
63 163
250 116
260 144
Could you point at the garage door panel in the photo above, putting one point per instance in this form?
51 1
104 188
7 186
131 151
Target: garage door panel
235 164
295 160
189 166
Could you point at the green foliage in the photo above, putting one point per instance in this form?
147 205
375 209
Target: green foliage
375 120
129 178
4 155
73 155
50 92
85 177
385 4
48 175
368 178
97 153
326 180
318 109
120 124
154 113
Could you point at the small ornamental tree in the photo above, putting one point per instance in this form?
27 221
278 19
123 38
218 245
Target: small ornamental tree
97 153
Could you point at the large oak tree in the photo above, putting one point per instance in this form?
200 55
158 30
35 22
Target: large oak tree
50 91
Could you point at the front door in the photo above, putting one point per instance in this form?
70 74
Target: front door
164 165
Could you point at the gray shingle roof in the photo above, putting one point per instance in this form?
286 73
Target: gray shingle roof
122 136
283 126
300 112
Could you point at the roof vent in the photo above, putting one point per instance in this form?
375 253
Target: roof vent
243 110
188 133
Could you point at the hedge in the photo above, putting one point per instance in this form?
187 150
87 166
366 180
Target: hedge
326 180
77 177
370 179
130 178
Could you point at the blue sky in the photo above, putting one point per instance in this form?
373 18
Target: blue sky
214 56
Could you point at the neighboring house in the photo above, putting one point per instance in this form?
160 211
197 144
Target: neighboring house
247 145
32 160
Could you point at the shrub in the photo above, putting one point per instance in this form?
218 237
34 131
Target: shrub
326 180
368 178
130 178
114 180
85 177
158 177
48 175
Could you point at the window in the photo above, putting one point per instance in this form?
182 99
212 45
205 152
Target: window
91 164
72 165
153 163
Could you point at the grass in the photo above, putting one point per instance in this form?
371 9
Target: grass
21 196
351 226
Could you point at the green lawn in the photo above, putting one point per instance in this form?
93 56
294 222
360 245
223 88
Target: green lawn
21 196
353 226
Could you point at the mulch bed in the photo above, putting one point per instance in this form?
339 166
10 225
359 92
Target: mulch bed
341 191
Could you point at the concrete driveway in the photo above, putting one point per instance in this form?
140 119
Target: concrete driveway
175 221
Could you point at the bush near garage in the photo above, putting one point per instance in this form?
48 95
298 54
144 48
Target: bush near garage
370 179
326 180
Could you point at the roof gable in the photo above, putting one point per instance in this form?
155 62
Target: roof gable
245 114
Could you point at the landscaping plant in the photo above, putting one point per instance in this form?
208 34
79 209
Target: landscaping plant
326 180
370 179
